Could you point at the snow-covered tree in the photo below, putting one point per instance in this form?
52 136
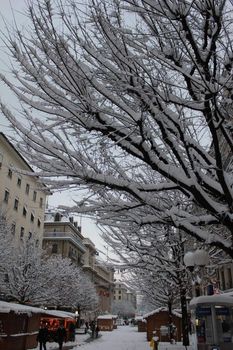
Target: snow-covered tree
133 98
27 275
6 241
70 286
155 262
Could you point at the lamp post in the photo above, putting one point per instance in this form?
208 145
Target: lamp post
198 258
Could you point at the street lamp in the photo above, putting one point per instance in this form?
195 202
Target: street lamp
198 258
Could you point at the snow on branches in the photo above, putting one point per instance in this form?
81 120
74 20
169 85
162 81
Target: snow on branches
27 275
133 100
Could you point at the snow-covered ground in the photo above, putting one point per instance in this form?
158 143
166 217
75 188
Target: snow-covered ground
80 339
122 338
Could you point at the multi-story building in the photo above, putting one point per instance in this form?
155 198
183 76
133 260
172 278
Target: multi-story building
122 293
225 276
102 276
124 301
63 236
22 195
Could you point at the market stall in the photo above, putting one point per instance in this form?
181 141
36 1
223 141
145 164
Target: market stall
19 326
53 318
105 322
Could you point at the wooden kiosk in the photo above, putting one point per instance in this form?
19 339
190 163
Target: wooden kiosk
19 324
106 322
52 318
158 321
212 322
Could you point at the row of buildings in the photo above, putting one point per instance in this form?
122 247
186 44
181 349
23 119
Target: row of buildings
23 200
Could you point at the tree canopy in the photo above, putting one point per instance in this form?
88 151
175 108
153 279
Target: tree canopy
131 99
28 276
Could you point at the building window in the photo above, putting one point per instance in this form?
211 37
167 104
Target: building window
21 232
41 202
16 204
38 222
9 173
37 243
19 182
32 217
223 280
70 254
119 291
229 275
29 235
119 298
34 196
24 212
54 248
57 217
6 196
114 297
27 188
13 227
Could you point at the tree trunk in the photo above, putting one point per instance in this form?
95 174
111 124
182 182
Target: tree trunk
170 319
79 317
184 312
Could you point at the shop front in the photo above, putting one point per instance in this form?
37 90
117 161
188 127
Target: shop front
212 322
53 318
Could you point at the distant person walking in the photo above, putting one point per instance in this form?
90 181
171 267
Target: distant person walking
42 336
97 331
60 335
92 329
86 326
72 332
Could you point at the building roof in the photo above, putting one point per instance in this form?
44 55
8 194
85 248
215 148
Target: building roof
16 151
6 307
219 299
162 309
107 317
21 158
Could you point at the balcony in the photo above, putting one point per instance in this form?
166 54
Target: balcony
65 236
103 273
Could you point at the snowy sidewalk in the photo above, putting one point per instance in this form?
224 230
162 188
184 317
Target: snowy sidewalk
177 346
80 339
122 338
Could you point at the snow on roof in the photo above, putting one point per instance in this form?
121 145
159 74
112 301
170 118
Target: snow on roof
59 313
106 317
138 318
175 312
219 299
6 307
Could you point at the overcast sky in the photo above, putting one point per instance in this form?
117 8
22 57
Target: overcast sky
15 10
